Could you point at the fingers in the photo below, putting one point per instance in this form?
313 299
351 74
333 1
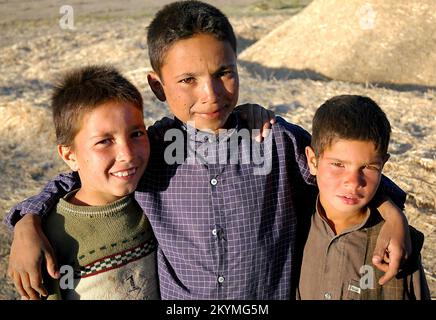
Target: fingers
381 246
27 287
380 264
51 264
379 254
36 283
38 288
394 267
389 263
271 116
266 119
19 286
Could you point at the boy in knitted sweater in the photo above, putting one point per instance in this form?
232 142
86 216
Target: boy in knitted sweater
102 240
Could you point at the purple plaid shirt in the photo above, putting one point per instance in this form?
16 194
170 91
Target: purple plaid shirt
223 231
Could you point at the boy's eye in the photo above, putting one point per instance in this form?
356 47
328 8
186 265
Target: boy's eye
188 80
372 168
337 164
138 133
225 73
104 142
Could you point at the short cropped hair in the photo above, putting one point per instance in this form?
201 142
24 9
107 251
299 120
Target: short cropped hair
182 20
81 90
350 117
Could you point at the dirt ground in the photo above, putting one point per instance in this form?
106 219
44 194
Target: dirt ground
34 49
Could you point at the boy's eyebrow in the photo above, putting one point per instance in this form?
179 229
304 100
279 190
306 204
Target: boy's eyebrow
226 67
220 69
186 75
336 159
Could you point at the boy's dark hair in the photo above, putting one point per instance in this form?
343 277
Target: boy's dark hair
182 20
83 89
350 117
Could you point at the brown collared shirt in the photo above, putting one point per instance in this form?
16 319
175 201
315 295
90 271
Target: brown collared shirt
337 267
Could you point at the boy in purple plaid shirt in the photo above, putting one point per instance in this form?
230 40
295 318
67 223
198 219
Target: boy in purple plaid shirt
226 229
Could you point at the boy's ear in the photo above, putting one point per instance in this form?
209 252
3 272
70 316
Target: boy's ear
67 154
311 160
156 85
386 158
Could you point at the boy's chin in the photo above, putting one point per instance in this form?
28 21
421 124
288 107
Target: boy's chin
351 209
122 192
211 124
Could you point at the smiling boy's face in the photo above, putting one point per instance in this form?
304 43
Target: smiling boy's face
348 173
199 80
110 152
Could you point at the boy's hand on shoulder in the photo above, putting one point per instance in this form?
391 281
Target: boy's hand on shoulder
393 243
257 117
28 250
158 129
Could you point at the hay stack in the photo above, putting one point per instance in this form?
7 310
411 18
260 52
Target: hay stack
378 41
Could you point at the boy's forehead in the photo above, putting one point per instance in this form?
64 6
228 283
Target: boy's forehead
111 108
349 148
192 50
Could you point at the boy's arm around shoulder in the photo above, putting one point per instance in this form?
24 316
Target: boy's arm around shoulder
30 246
42 203
300 139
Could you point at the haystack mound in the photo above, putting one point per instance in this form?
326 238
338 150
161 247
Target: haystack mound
389 41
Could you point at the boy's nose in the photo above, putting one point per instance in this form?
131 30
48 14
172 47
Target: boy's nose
125 153
354 180
211 90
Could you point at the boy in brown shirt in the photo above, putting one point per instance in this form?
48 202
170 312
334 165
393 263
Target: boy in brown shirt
347 154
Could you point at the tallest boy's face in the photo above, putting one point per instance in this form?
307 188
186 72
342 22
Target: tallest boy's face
199 80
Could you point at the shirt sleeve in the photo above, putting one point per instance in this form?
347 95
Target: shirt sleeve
300 139
42 203
389 189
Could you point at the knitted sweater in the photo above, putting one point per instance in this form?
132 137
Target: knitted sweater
103 252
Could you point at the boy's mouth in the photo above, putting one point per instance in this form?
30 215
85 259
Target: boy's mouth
124 174
350 199
211 115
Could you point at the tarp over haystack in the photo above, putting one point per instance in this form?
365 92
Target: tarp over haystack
377 41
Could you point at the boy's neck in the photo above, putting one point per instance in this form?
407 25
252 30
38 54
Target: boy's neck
339 222
84 198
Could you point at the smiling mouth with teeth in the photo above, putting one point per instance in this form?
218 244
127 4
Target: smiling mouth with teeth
125 173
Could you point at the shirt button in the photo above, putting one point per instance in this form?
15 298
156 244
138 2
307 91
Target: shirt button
327 296
213 181
221 279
